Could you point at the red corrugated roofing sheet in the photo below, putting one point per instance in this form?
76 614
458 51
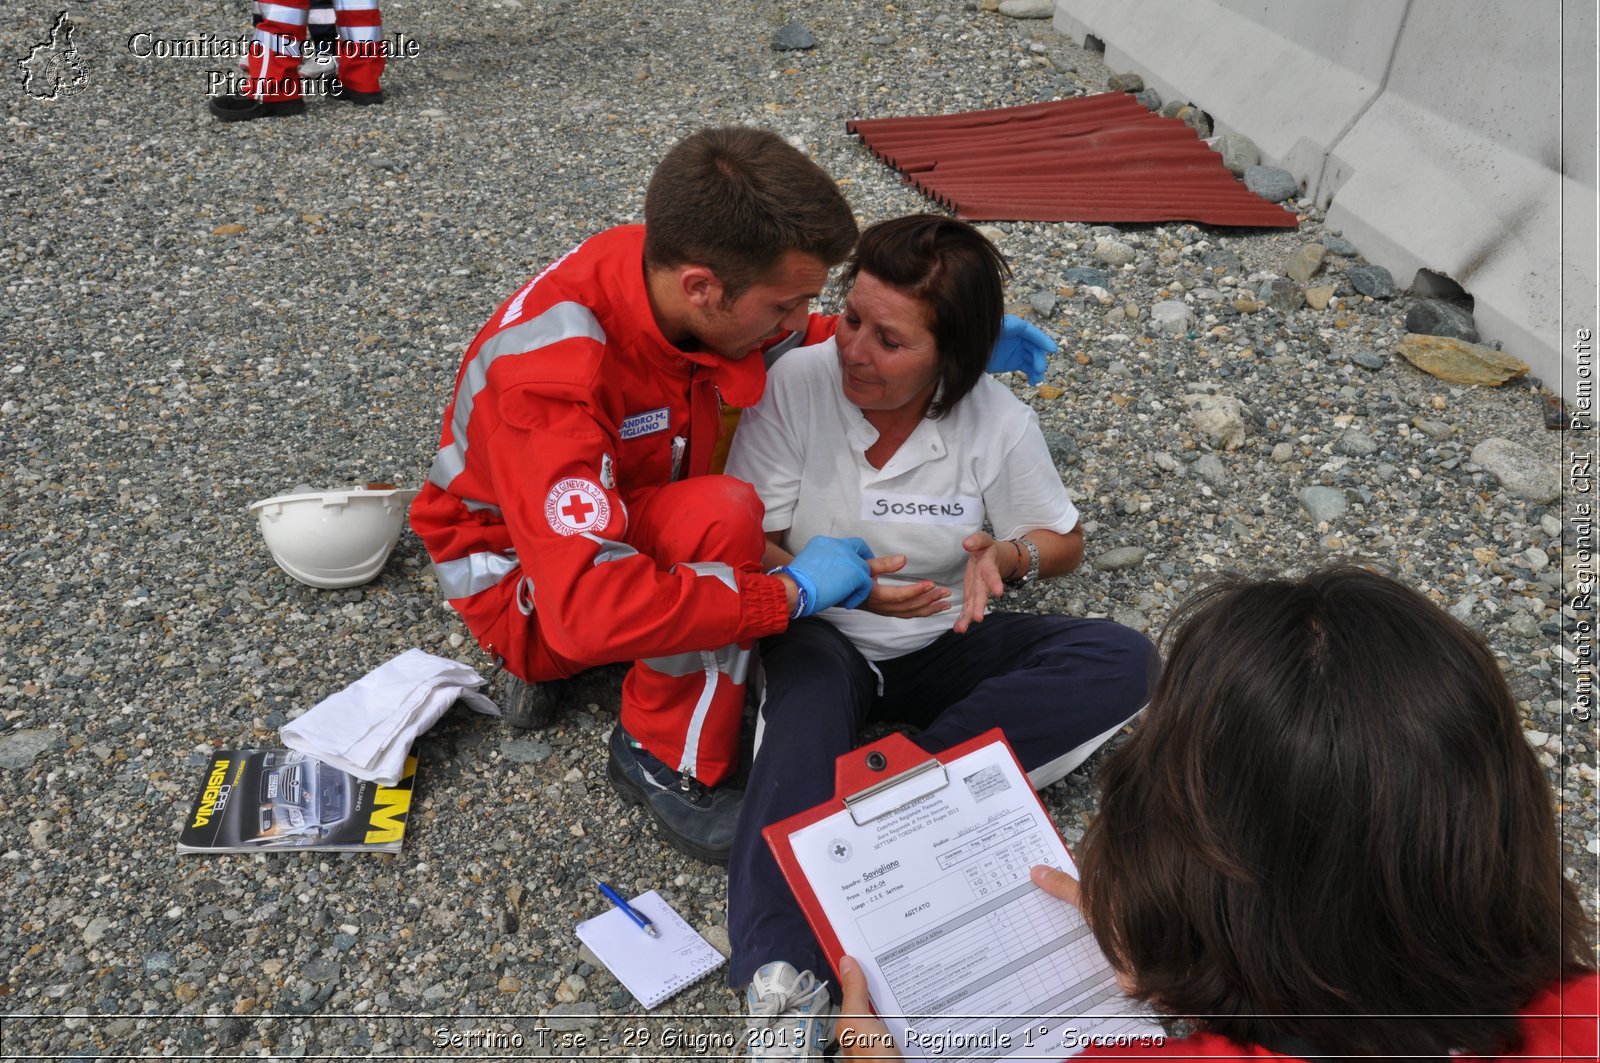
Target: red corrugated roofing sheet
1103 158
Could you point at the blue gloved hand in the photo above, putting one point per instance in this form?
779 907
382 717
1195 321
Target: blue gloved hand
1021 346
830 572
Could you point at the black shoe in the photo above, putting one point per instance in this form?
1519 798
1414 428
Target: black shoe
696 820
340 91
236 108
531 706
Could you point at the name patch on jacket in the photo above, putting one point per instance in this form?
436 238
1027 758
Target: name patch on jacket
921 509
642 424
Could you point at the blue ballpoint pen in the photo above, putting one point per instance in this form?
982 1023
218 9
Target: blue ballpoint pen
627 909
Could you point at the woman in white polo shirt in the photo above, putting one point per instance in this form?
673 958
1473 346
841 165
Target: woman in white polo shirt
892 431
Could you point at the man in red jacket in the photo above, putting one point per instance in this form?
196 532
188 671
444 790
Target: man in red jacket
571 511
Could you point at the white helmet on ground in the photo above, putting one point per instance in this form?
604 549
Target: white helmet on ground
338 538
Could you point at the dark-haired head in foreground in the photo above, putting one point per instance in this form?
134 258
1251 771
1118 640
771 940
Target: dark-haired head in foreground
1329 826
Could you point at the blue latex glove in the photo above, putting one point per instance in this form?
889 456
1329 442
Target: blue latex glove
1021 346
830 572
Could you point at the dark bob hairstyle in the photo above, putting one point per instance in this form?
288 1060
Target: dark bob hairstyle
1329 828
957 273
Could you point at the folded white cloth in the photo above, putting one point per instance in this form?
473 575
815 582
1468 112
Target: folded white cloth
368 727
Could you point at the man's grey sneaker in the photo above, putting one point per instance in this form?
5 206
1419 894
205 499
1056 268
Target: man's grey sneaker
695 819
319 60
791 1016
531 706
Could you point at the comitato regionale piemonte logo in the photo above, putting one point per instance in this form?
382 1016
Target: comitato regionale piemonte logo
54 69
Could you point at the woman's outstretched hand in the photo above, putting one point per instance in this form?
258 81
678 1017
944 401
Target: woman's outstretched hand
987 561
922 598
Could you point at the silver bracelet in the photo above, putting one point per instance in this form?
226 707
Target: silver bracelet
1033 563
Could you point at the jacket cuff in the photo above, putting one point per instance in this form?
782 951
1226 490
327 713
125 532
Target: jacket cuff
765 604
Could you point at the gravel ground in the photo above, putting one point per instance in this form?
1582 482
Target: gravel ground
197 316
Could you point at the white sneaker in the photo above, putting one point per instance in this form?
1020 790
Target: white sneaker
314 63
321 63
791 1016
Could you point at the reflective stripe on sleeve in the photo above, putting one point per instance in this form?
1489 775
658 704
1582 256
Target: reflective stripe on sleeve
731 661
473 574
610 550
714 569
563 321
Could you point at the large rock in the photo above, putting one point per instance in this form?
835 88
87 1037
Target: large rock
1195 119
1125 83
1519 469
1113 252
1319 296
1323 503
1435 317
1305 262
1371 280
1238 151
1028 8
1281 294
19 748
1063 448
1219 418
1120 558
1460 362
793 37
1209 468
1271 183
1171 317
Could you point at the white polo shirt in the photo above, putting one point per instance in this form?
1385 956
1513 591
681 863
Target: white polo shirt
804 448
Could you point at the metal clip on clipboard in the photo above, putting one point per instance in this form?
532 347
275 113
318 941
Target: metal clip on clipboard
880 798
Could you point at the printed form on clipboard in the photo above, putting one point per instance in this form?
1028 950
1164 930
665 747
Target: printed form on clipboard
920 870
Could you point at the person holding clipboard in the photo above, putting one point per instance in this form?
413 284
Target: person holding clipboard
1327 839
891 432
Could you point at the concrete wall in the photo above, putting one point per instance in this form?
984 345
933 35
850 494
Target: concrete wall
1452 135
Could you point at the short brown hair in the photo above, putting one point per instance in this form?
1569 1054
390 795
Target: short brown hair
958 274
735 199
1329 827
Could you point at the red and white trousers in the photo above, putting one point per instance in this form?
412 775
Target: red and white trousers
274 72
685 708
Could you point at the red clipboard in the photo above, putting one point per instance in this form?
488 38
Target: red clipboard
875 779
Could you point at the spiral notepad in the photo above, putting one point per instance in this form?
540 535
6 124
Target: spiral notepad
652 968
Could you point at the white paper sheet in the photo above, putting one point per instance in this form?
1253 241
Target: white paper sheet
652 968
965 957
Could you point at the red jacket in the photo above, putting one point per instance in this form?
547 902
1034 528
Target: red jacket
569 401
1559 1023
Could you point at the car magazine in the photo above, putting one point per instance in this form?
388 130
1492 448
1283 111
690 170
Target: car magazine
256 800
